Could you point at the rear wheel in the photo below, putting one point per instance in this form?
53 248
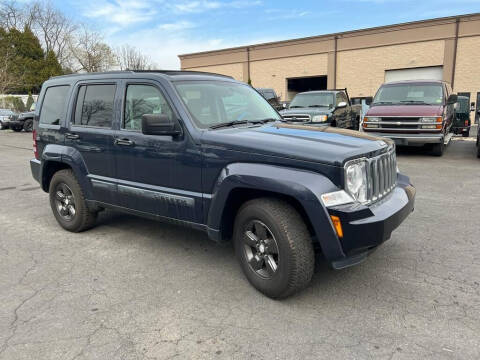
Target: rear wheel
68 202
2 127
274 247
28 125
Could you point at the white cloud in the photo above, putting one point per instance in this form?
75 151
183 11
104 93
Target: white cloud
178 26
122 12
197 6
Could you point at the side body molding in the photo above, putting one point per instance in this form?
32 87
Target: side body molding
305 186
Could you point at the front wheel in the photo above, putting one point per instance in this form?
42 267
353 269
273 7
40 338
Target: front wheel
68 202
438 149
274 247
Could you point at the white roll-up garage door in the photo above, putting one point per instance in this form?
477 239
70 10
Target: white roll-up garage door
423 73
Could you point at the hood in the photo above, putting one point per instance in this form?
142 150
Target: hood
321 144
308 110
405 110
27 114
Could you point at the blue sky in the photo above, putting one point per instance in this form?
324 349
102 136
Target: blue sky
162 29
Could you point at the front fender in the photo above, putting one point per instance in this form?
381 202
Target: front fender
71 157
305 186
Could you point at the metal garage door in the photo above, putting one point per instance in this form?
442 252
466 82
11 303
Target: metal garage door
429 73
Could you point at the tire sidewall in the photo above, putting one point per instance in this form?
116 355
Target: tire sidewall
28 125
69 180
279 282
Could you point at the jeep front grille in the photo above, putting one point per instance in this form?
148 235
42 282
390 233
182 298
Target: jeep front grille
297 117
381 175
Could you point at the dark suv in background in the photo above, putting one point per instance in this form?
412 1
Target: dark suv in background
208 152
322 107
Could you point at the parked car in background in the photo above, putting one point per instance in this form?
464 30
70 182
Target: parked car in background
23 121
271 96
5 117
461 122
209 152
415 112
478 138
323 107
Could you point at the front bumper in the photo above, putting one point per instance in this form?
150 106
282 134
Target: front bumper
410 139
366 227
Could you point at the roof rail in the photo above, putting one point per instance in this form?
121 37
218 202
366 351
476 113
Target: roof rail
165 72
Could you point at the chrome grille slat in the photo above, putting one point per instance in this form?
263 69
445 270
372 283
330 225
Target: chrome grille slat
382 175
297 117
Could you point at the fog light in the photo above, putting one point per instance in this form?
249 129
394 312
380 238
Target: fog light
370 125
429 126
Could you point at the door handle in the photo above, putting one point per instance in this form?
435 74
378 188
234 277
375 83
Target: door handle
124 142
72 136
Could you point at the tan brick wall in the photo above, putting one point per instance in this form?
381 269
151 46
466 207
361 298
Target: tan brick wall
467 69
273 73
363 71
235 70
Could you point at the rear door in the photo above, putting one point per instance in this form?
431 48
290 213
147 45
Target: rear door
90 133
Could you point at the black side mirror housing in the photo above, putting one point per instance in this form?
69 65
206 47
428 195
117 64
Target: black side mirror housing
160 124
452 99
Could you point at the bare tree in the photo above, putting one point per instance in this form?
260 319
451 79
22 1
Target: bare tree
52 27
129 58
12 15
89 52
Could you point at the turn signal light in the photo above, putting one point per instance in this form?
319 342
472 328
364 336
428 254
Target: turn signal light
439 119
337 225
439 126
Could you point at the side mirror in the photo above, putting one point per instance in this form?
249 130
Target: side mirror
159 124
341 104
284 105
452 99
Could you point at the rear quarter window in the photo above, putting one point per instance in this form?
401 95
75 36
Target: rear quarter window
53 107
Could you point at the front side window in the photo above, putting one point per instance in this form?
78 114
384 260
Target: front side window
141 100
53 107
430 94
95 105
216 102
312 100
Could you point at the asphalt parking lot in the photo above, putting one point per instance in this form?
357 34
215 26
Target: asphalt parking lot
132 288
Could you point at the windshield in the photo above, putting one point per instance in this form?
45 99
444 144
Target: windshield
216 102
431 94
4 112
312 100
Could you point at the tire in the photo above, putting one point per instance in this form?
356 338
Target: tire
81 218
438 149
2 127
478 148
28 125
288 236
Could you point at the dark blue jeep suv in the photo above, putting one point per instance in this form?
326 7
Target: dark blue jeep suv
208 152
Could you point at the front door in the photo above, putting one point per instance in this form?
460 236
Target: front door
90 133
155 174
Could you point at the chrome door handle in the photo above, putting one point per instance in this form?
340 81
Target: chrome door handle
72 136
124 142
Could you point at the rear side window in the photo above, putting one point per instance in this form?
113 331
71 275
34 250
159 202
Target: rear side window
95 105
53 108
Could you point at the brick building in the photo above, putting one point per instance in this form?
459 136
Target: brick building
361 60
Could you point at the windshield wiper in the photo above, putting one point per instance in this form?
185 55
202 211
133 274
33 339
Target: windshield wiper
414 102
295 106
318 105
228 123
382 103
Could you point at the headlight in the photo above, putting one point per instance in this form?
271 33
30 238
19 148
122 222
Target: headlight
356 179
372 119
430 119
319 118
